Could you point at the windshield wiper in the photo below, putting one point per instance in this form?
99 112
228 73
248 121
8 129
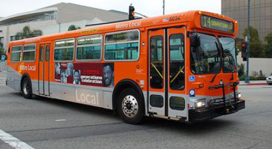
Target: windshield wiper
213 78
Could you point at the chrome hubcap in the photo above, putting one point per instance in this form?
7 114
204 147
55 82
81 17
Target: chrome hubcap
130 106
25 88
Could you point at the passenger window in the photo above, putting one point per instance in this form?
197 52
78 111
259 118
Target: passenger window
156 62
89 48
177 75
41 53
64 50
122 46
16 54
29 52
47 53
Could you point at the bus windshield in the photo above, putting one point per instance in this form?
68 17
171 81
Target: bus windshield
229 56
206 58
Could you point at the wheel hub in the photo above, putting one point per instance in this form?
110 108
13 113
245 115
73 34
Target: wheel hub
25 88
130 106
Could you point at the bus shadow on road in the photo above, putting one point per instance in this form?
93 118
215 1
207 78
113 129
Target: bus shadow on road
205 127
73 106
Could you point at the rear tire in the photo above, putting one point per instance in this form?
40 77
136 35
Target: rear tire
130 106
26 88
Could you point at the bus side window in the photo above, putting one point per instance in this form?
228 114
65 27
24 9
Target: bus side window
41 53
47 53
29 53
177 75
64 50
16 54
122 46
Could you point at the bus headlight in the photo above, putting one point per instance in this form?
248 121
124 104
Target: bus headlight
200 103
239 95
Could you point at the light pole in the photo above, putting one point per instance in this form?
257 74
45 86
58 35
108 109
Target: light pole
248 43
163 6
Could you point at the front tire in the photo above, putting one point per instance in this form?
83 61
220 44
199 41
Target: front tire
131 106
26 88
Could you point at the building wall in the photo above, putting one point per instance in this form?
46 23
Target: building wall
257 65
64 26
62 15
261 15
12 30
71 13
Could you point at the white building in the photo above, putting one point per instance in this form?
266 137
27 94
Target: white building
54 19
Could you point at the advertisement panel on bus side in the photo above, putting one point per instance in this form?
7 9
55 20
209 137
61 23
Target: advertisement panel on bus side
92 74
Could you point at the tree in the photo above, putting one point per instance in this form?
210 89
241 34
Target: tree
268 46
256 47
28 33
73 27
2 50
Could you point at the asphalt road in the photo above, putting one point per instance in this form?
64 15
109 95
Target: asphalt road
52 124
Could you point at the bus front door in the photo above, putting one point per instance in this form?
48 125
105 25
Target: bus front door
166 94
44 71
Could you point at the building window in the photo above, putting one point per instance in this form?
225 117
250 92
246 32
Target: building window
122 46
64 50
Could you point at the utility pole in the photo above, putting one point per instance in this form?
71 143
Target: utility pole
163 7
248 43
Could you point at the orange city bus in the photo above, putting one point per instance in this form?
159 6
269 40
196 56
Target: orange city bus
179 67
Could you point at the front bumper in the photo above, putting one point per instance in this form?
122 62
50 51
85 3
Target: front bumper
196 115
269 81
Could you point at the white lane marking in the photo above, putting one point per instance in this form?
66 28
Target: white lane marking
13 142
61 120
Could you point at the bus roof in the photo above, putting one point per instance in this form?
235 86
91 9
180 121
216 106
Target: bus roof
190 18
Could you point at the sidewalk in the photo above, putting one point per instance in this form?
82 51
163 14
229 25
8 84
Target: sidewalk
254 82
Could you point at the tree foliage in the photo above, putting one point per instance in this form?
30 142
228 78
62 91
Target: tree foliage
256 46
268 46
73 27
2 50
28 33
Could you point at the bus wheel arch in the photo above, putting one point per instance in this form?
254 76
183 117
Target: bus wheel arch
122 85
26 86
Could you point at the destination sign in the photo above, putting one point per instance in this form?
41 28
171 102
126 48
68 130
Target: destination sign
217 24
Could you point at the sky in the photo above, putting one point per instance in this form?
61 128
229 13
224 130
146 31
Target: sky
147 7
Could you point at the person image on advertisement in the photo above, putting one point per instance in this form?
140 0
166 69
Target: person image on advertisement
76 77
108 76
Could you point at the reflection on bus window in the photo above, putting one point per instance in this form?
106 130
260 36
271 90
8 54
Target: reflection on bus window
122 46
16 54
206 58
29 52
177 76
64 50
229 56
89 48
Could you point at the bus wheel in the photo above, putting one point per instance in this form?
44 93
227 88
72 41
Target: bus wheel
130 106
26 88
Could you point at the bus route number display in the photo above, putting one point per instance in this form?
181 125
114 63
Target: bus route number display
217 24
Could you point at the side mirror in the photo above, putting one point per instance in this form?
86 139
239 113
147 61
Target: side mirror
195 41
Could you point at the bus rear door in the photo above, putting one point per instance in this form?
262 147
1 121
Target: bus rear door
44 71
166 94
